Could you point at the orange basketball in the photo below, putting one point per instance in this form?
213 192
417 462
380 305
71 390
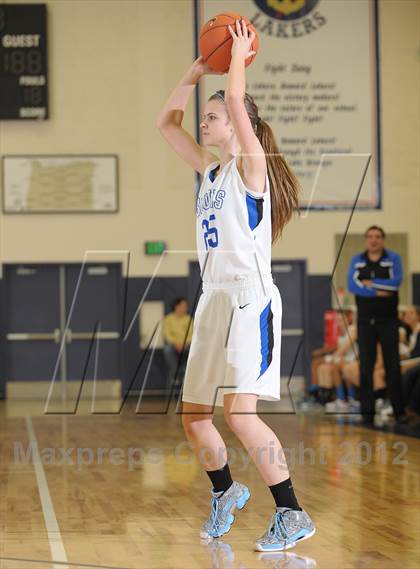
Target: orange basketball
216 42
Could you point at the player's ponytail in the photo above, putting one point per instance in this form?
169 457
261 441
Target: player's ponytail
284 186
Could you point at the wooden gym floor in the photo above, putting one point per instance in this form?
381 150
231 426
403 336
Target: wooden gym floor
82 508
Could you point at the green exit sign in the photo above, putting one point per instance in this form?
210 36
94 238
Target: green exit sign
154 247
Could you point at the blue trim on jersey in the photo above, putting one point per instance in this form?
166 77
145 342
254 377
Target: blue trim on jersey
255 210
212 174
267 338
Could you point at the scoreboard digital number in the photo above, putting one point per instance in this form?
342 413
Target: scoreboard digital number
23 62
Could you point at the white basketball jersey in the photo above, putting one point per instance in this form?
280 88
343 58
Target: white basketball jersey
233 228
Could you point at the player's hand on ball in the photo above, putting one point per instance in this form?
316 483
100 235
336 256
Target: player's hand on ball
242 39
201 67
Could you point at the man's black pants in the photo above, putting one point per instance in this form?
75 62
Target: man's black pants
369 333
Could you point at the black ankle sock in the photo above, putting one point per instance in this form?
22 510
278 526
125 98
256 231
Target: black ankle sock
221 479
284 495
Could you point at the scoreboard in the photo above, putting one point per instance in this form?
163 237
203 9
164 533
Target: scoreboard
23 62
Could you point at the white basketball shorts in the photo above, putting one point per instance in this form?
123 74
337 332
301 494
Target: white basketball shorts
235 346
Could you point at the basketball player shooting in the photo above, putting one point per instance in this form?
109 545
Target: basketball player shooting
247 196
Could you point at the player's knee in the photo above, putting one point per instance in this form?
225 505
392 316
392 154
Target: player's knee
194 426
238 423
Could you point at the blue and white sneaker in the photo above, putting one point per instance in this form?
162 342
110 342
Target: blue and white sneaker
223 505
286 528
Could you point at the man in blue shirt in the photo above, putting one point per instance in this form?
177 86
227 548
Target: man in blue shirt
374 277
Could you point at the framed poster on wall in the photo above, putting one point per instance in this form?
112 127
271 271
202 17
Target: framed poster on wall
60 184
316 82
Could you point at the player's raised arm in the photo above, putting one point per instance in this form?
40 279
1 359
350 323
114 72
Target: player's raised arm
252 150
169 121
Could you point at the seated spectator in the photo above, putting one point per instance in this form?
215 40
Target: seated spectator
410 366
317 359
317 394
351 376
177 340
330 372
412 350
403 325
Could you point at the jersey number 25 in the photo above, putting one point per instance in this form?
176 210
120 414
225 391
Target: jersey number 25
211 238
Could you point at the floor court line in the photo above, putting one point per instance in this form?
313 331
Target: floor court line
58 553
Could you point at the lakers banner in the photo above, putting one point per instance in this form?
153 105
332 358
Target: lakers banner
315 81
